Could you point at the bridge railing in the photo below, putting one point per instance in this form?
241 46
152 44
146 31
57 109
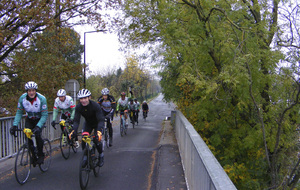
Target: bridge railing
202 170
9 145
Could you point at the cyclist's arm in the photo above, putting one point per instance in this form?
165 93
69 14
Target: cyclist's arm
55 110
19 113
100 117
113 102
44 111
118 105
76 117
72 107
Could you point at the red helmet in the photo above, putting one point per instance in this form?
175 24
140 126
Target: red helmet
123 94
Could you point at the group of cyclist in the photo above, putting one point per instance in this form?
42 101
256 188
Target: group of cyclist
95 114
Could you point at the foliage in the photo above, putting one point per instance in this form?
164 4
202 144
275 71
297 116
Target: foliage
117 81
221 68
53 57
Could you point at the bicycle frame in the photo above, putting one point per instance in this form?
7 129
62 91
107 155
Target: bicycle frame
26 154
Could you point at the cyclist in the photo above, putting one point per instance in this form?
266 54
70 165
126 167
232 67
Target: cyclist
94 120
67 106
138 106
35 106
122 106
132 108
145 108
108 105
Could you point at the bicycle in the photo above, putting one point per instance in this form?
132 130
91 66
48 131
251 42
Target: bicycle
106 135
132 118
88 161
123 126
25 159
65 143
145 114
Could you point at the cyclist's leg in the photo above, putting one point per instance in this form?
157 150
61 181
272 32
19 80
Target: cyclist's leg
30 125
110 131
137 116
126 116
39 142
99 146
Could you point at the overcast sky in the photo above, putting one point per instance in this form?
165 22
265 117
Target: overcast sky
102 52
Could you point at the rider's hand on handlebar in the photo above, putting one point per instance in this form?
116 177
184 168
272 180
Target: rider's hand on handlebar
53 124
70 121
35 130
12 131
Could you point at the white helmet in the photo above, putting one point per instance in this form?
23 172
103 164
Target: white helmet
83 93
61 92
31 85
105 91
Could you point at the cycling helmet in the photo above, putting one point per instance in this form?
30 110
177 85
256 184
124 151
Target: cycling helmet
61 92
83 93
130 99
31 85
144 101
135 99
123 94
105 91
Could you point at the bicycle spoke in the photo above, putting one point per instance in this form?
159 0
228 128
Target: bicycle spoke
22 165
64 146
47 156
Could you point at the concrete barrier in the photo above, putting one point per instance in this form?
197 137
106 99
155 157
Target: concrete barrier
202 169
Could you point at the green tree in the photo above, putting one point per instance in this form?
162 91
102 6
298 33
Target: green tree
220 70
39 63
21 19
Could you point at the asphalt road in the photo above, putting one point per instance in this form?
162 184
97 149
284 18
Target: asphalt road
136 161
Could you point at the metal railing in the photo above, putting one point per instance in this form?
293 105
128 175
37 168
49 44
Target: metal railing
9 145
202 170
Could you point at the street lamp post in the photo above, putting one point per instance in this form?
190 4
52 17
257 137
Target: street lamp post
84 63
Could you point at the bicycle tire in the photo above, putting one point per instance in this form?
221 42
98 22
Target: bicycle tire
95 167
84 170
107 138
23 165
73 146
121 127
125 129
47 156
64 145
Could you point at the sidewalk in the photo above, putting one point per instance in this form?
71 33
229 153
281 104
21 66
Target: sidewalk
170 171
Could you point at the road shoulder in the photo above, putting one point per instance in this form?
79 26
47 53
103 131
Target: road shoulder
170 173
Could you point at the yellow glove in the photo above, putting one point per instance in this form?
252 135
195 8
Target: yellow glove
62 123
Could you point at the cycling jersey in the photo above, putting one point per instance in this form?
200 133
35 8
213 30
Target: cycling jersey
108 105
122 105
145 106
138 106
92 113
67 107
132 106
35 110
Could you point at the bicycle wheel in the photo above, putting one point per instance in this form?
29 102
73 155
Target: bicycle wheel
125 128
121 127
133 122
73 146
22 165
84 170
95 167
107 138
47 153
64 145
